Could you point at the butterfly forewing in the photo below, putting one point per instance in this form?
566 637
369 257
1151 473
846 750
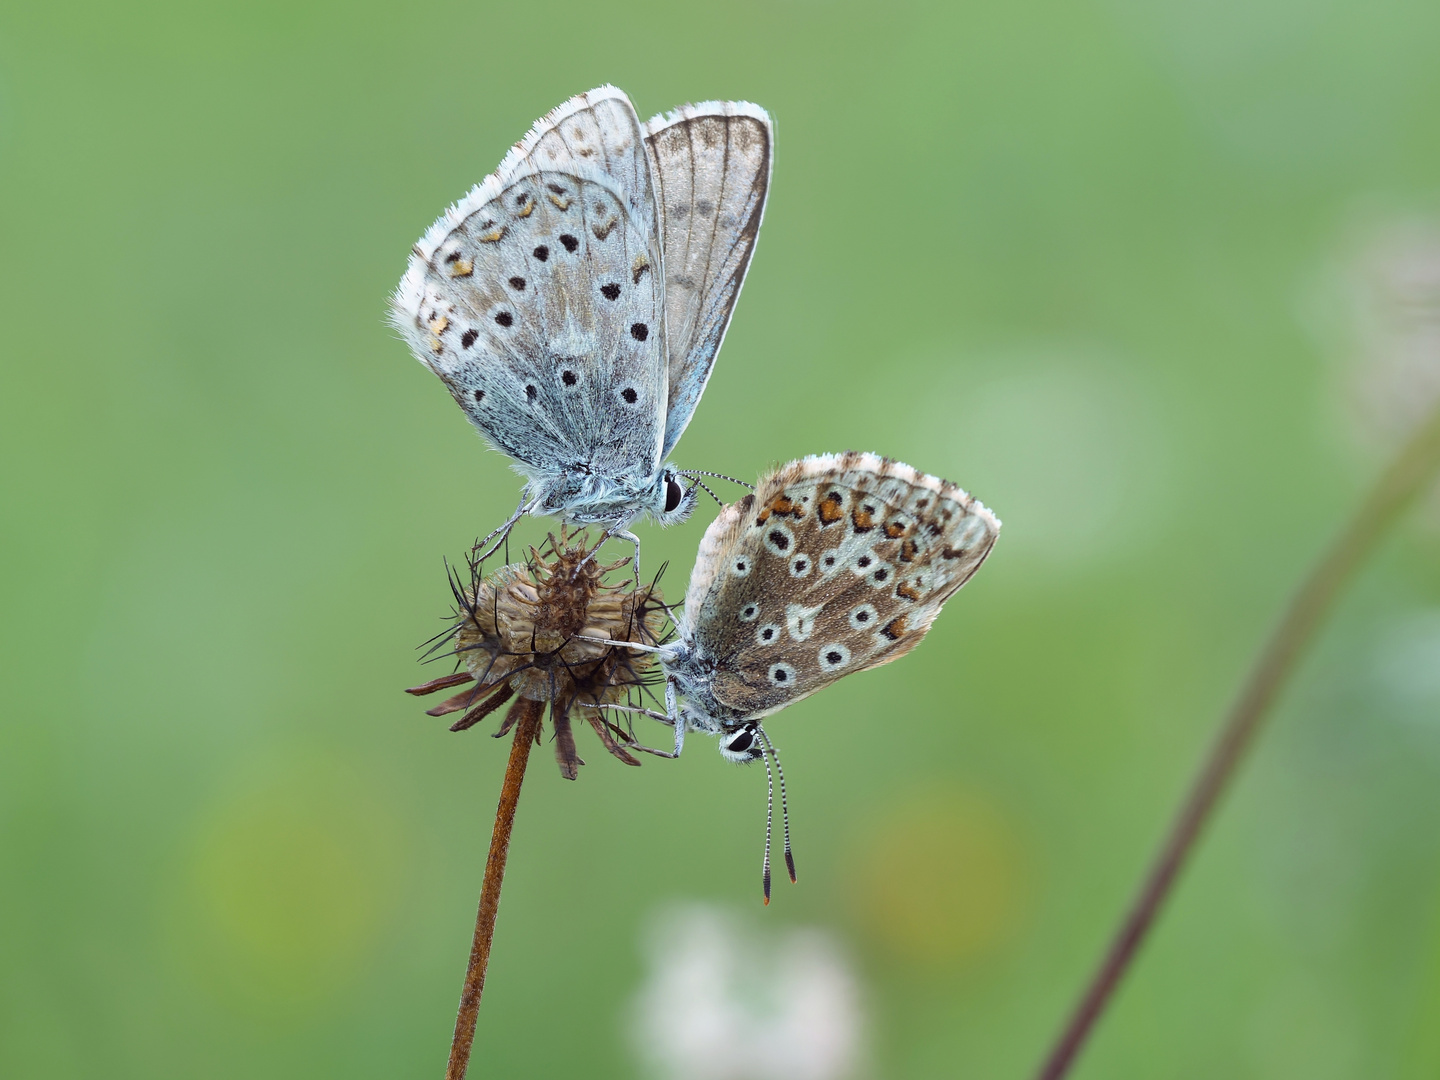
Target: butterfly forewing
835 564
601 129
538 299
712 174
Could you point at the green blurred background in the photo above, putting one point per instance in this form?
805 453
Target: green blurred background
1111 265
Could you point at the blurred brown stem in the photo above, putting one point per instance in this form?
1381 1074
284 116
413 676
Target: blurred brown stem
525 714
1417 462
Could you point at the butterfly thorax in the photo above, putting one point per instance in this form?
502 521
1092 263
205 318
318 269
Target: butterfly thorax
582 497
693 672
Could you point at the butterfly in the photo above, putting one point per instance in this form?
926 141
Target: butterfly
836 563
575 300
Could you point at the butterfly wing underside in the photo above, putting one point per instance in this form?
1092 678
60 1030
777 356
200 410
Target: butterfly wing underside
712 173
835 564
538 298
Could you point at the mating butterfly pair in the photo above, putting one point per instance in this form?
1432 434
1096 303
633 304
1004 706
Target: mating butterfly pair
574 303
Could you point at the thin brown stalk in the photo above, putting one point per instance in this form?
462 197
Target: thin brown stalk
1408 474
525 714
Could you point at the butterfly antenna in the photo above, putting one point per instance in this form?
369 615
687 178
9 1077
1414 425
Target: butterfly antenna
769 820
692 473
701 484
784 804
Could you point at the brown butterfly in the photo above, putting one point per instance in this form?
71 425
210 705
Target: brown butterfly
835 563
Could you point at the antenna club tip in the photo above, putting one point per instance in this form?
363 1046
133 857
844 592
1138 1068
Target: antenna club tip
790 865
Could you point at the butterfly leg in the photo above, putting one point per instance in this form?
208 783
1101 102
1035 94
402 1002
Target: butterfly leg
626 534
675 718
504 530
635 744
619 531
671 716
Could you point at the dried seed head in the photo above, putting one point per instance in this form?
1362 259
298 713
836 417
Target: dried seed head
518 631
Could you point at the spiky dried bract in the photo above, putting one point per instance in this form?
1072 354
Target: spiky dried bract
520 631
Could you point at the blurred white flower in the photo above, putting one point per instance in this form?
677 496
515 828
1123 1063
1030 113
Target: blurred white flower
722 1001
1375 307
1394 286
1407 662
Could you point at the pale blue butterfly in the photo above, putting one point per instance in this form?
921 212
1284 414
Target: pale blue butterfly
574 301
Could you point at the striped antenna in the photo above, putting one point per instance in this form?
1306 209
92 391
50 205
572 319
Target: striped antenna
784 809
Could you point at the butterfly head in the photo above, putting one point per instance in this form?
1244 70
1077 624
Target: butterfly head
742 745
672 498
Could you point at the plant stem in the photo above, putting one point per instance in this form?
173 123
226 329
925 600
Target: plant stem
527 713
1408 474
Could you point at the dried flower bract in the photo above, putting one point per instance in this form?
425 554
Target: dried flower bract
519 630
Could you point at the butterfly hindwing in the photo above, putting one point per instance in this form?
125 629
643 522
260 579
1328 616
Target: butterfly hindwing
538 299
712 174
835 564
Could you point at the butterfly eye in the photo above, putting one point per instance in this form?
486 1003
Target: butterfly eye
741 747
741 741
674 494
